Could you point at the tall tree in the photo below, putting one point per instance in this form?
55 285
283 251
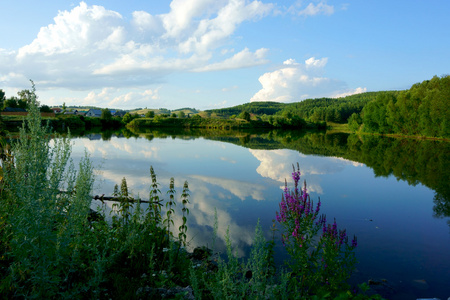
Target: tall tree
106 114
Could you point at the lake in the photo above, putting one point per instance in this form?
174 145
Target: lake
392 193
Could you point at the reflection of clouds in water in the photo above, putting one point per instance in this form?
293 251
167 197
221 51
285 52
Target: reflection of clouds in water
118 148
228 160
153 153
277 165
347 161
130 159
238 188
204 203
274 163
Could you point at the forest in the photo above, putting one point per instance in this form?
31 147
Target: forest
423 110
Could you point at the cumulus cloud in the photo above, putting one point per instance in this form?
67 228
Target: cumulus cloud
295 82
349 92
90 47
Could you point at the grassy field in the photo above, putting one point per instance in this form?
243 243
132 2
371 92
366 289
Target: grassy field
338 127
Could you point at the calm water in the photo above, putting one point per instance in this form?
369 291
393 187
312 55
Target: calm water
402 224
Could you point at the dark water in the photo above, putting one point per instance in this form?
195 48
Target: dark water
392 193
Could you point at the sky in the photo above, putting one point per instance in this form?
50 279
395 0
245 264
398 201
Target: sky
208 54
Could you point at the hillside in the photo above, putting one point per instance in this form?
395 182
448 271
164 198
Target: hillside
323 109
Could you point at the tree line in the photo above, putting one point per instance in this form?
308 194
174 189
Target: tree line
422 110
22 101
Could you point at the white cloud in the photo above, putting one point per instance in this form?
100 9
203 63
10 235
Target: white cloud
211 33
240 189
76 30
321 8
358 90
245 58
90 47
295 82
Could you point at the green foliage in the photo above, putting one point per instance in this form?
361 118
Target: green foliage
184 201
106 114
148 114
127 118
354 122
50 248
422 110
258 108
45 108
45 227
244 115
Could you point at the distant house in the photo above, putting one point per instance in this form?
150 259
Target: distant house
96 113
119 113
14 109
73 112
56 110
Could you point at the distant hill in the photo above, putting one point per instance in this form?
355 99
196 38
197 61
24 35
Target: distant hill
161 111
257 108
323 109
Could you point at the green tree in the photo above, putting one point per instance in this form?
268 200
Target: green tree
45 108
11 102
181 114
2 98
127 118
150 114
354 122
245 115
106 114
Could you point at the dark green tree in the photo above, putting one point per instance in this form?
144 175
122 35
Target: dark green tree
245 115
127 118
2 98
106 114
45 108
354 122
25 98
150 114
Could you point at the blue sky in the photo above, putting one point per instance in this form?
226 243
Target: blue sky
218 53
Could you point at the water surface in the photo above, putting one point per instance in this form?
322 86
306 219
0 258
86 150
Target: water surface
393 194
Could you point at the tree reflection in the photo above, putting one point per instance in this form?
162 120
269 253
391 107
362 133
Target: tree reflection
411 160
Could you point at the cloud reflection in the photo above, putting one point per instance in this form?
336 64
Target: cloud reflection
132 158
